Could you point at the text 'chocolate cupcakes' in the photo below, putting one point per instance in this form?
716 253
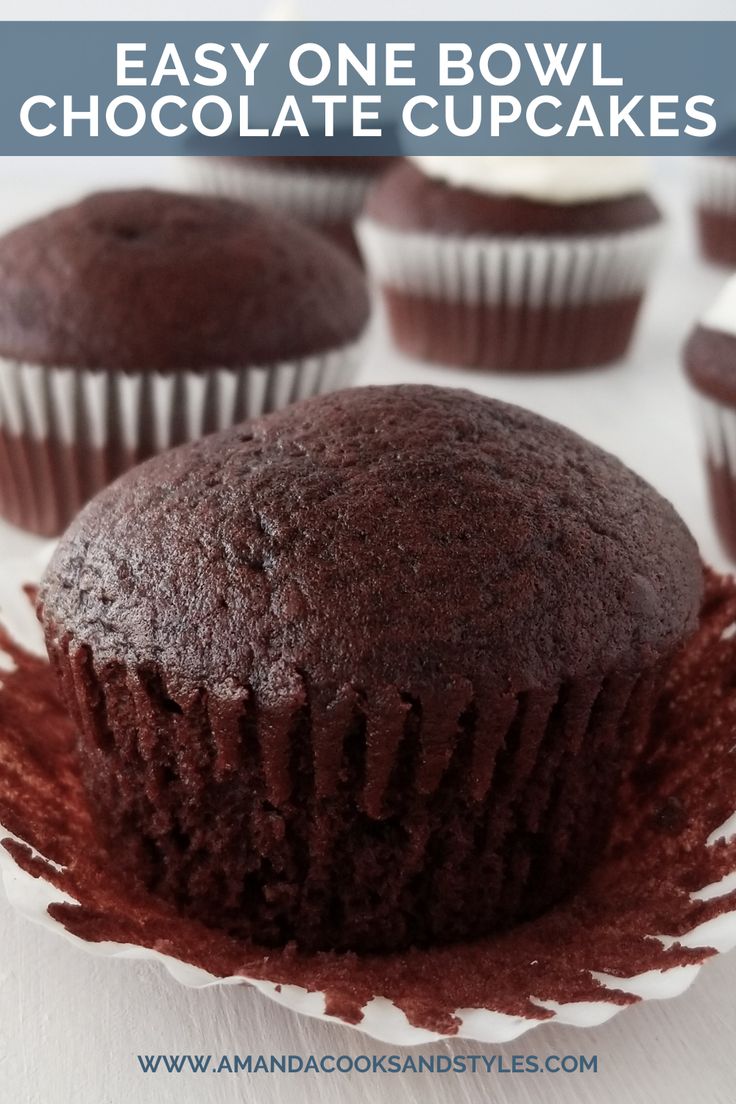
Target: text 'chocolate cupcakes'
137 320
365 673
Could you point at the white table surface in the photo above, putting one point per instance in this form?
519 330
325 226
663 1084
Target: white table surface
71 1024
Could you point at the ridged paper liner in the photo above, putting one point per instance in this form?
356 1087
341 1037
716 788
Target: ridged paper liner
715 201
714 180
718 432
518 271
511 304
308 194
66 432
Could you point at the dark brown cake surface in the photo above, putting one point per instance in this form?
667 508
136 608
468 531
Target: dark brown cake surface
150 280
710 362
369 165
366 673
380 536
717 232
409 199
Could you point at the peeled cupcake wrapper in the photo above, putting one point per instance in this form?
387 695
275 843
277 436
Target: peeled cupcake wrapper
66 432
308 194
382 1019
587 987
41 901
545 275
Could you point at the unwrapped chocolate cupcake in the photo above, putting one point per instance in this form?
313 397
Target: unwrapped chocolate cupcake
137 320
366 673
515 264
710 363
326 192
715 200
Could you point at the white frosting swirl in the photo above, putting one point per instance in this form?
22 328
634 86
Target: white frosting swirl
547 179
721 315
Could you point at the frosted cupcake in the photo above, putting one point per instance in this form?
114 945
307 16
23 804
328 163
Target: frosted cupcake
134 321
710 363
518 264
715 200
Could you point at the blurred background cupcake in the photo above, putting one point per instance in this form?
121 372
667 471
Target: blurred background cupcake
517 264
133 321
326 192
715 201
710 363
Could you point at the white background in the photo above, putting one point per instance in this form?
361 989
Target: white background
71 1024
370 9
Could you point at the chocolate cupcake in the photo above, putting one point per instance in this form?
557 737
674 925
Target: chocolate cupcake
134 321
515 264
326 192
366 673
710 364
715 200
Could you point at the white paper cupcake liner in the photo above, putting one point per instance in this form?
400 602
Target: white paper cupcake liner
714 183
311 195
66 432
718 432
512 304
535 271
717 423
89 407
382 1019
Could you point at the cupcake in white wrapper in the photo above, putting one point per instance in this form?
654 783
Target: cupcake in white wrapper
710 363
715 204
66 432
325 192
512 264
135 321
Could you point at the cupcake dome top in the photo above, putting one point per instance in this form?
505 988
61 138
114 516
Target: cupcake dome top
380 537
150 280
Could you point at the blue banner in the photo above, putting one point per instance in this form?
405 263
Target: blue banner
321 88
